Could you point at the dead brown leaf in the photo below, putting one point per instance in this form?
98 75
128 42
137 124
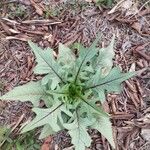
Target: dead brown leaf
6 28
144 12
21 37
137 26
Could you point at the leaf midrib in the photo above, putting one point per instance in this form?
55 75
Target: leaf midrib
49 113
79 130
94 86
81 65
51 67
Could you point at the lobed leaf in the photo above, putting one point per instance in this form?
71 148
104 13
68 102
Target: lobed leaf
91 106
103 125
31 91
45 61
48 116
52 79
70 89
85 55
110 83
79 135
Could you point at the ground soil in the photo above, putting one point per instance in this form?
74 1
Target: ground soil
69 22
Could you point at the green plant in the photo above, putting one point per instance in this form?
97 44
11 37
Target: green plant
4 132
71 89
52 11
21 142
105 2
18 11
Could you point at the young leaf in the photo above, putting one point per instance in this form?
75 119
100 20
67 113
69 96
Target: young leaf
31 91
103 125
46 62
111 83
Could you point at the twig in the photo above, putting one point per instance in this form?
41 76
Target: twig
8 20
20 119
45 22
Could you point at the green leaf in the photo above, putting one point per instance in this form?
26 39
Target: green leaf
48 116
54 81
31 91
65 56
45 116
79 134
3 131
103 125
85 55
104 60
46 62
91 106
46 131
110 83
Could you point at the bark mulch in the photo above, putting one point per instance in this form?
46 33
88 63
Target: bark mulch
50 22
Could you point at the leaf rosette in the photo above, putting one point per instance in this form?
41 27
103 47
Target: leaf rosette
71 88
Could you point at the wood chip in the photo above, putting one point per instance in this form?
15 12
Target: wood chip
22 37
122 116
41 22
38 9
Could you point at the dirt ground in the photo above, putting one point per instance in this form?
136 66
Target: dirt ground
48 22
